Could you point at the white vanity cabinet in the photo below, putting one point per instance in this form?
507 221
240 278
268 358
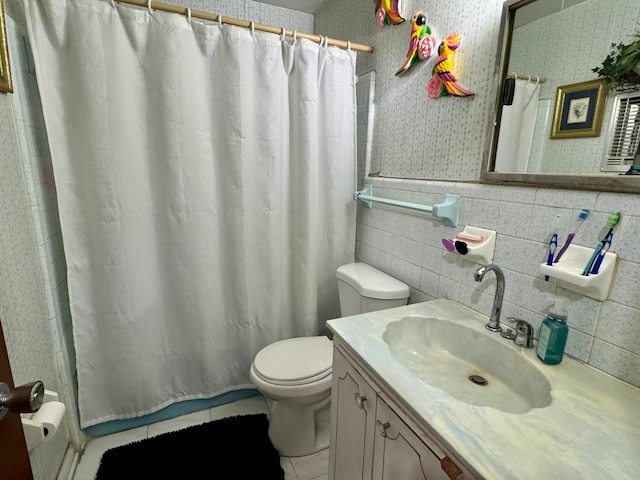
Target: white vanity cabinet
353 410
409 429
372 439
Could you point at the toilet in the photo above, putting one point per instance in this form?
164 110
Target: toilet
295 373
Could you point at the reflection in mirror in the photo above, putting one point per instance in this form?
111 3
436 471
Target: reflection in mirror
623 134
553 114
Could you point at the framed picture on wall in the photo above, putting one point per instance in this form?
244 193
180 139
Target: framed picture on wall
579 109
6 85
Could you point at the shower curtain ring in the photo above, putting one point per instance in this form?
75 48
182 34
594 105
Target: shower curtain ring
253 31
282 34
528 78
220 21
295 37
149 7
189 15
348 44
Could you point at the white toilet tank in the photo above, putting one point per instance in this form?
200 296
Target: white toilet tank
363 289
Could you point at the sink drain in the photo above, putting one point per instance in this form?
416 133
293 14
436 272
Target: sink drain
478 380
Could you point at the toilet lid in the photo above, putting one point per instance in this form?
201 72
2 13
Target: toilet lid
295 360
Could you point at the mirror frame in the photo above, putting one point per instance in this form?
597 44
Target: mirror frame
6 84
605 183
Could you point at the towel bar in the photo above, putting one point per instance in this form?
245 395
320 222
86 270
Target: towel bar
448 210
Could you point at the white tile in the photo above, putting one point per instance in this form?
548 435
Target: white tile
618 202
627 245
246 406
583 311
616 361
579 345
449 289
287 466
412 274
179 423
618 325
311 466
513 219
625 285
485 213
88 466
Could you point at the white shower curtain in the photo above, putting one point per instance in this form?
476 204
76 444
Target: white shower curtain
516 128
205 176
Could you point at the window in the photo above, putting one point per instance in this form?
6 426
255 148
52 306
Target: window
623 136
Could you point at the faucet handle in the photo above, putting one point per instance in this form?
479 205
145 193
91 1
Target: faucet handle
524 332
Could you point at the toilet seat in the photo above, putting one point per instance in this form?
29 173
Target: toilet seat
295 361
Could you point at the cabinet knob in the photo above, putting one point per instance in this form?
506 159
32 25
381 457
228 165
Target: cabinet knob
360 399
382 427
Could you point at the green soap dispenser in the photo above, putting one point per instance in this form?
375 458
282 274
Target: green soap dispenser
553 334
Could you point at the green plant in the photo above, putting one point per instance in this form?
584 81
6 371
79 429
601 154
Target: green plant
622 66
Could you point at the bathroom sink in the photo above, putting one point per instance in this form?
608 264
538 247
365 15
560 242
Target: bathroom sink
474 366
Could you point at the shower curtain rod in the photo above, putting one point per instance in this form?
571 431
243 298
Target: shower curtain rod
165 7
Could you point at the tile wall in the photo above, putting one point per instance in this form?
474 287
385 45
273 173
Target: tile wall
416 138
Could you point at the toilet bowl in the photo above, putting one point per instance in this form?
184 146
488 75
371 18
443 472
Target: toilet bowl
295 373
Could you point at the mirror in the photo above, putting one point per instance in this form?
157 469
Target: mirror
552 47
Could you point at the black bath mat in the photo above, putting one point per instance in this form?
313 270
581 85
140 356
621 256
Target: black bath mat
234 447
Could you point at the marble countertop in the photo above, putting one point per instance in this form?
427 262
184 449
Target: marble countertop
591 429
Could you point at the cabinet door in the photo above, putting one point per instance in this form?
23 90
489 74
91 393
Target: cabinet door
399 453
353 403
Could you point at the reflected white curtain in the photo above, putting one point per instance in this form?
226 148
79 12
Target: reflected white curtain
205 176
517 127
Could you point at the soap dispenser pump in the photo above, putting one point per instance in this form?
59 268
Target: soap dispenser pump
553 334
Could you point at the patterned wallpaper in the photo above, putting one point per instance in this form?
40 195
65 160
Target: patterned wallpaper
418 137
23 310
589 30
41 190
443 140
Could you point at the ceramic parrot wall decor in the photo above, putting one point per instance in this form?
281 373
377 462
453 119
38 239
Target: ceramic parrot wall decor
443 82
421 44
388 12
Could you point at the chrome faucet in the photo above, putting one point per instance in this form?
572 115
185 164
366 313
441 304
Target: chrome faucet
494 320
523 335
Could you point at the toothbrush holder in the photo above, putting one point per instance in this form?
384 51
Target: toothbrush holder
567 273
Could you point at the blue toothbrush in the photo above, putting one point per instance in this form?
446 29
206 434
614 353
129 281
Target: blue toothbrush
553 244
612 221
598 262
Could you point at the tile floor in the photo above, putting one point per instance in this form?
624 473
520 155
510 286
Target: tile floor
313 467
